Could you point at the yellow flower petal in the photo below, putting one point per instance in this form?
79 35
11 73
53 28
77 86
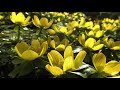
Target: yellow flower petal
13 17
74 24
79 58
36 21
99 34
36 45
51 31
89 25
29 55
55 28
97 43
50 23
44 22
56 71
21 47
55 58
43 48
112 67
26 22
96 28
90 42
20 17
98 47
110 43
63 29
52 44
27 19
90 34
68 52
82 21
69 32
60 47
99 61
68 64
115 48
1 17
81 39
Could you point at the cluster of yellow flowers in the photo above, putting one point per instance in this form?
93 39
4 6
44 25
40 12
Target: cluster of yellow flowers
93 38
110 24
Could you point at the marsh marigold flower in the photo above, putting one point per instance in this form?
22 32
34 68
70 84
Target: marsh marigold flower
59 64
110 68
41 22
90 43
20 18
31 52
57 44
110 43
62 29
1 17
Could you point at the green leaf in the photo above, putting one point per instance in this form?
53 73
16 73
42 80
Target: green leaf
80 74
17 61
40 63
16 29
37 31
21 29
15 72
22 69
96 75
26 68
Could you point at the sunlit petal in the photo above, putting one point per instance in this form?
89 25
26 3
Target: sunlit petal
99 61
56 71
79 58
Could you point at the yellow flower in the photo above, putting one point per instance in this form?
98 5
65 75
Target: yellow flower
108 26
82 21
99 33
108 20
51 31
1 17
42 22
117 21
96 34
59 65
20 19
57 44
81 39
58 19
63 29
31 52
89 25
111 44
96 27
111 68
90 43
65 13
72 24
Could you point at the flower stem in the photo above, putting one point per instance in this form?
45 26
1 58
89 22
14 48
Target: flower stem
39 33
18 33
29 34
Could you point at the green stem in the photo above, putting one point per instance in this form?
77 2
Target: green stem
39 32
18 34
29 34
